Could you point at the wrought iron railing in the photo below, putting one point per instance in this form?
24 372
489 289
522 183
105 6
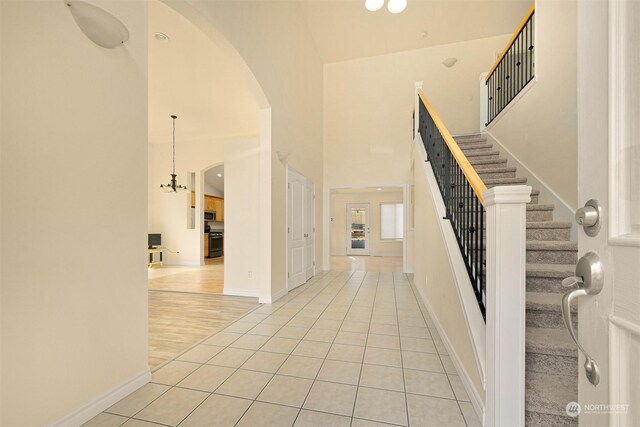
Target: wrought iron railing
514 69
462 191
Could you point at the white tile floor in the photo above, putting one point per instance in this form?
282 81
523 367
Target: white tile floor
346 349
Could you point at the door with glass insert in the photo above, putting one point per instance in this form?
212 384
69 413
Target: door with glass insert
358 230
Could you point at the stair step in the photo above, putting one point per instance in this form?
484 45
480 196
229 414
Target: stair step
476 146
549 394
462 139
555 342
479 163
548 230
538 213
478 149
535 194
489 154
504 181
537 419
552 364
543 311
552 252
500 172
547 277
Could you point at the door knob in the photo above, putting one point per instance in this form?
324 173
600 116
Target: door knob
589 217
589 280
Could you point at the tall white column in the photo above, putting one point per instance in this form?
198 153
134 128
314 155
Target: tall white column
505 303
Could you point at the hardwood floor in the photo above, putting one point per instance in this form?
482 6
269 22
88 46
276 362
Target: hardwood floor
208 278
177 320
366 263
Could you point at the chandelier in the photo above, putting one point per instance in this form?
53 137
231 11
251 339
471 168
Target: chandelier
172 186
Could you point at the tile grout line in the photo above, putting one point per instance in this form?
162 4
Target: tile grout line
373 305
404 381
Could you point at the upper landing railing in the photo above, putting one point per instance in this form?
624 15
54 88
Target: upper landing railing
462 191
514 69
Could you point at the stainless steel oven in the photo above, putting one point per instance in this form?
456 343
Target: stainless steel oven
216 244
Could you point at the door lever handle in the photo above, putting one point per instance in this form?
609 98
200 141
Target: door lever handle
589 279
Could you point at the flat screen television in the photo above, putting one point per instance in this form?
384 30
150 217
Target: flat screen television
155 240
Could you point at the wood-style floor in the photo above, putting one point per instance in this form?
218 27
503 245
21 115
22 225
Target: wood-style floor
208 278
177 320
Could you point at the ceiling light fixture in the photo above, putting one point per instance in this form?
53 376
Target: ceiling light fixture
373 5
173 186
220 174
379 189
396 6
97 24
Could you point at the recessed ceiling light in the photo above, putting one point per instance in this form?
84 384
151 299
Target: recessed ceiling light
373 5
161 37
379 189
396 6
219 174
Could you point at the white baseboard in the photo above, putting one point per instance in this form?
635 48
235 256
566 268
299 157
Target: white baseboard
270 299
104 401
239 293
474 395
563 211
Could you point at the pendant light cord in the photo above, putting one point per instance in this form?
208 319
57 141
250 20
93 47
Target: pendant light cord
174 143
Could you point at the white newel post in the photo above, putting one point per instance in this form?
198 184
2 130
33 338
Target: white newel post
416 108
505 303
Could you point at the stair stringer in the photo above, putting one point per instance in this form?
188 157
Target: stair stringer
465 299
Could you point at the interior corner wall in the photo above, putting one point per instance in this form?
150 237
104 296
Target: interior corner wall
273 39
540 129
74 172
368 105
378 246
435 282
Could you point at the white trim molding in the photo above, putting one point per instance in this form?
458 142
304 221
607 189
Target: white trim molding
239 293
505 303
98 404
270 299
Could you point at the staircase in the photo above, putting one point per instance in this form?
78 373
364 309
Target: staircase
551 355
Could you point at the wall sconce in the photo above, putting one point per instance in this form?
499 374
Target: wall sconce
97 24
449 62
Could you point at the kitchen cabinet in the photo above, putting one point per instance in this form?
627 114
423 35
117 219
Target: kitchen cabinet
206 245
193 199
214 204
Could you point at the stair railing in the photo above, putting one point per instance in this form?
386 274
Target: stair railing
514 68
497 273
462 191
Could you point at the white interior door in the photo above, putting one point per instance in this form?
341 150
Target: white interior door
310 229
358 229
609 171
296 242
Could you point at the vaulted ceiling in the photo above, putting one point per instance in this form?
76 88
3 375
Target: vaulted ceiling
344 29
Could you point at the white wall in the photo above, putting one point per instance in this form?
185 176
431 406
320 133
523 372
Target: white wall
273 38
368 104
541 128
378 246
74 135
434 279
242 214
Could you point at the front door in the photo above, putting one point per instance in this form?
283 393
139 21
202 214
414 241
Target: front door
609 171
358 229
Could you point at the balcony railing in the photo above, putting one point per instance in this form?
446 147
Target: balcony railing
514 69
462 191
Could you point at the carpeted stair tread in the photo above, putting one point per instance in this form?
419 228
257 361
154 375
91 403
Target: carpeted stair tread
538 419
549 394
479 146
550 341
559 271
494 182
552 245
484 154
547 301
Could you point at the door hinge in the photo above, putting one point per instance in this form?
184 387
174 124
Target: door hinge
289 185
314 229
288 230
288 275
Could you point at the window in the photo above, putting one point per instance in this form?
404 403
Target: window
391 221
